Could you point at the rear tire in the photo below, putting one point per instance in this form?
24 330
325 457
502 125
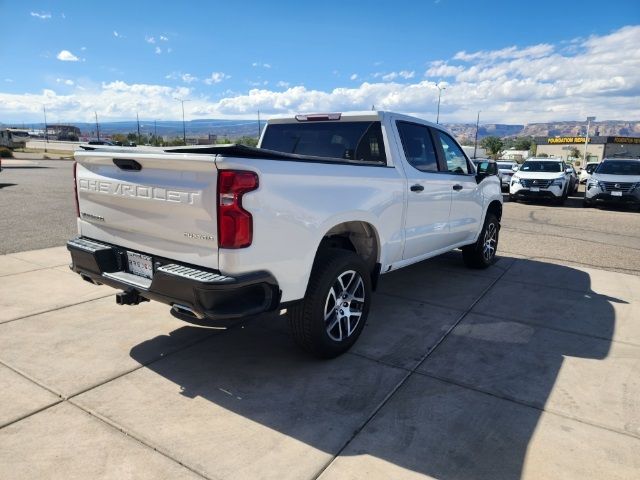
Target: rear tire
587 204
330 318
482 253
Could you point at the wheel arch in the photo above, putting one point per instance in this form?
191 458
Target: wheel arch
358 236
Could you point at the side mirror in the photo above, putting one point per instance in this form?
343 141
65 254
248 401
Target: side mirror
568 170
485 169
515 168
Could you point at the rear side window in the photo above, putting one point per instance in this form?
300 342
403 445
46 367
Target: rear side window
453 155
344 140
418 146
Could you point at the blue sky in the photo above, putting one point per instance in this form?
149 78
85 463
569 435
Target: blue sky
232 58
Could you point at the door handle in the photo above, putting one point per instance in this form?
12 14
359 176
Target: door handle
417 188
457 187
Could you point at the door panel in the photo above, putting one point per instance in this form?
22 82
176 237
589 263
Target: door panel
429 197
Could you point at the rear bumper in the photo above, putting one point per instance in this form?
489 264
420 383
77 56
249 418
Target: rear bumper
207 293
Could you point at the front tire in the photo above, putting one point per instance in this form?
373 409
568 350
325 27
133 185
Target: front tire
483 253
329 320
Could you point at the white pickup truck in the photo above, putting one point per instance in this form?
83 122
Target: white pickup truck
306 222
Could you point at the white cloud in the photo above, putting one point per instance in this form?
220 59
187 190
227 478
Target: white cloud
158 50
66 82
216 77
262 65
116 34
283 84
150 39
83 48
443 69
67 56
406 74
188 78
163 38
524 85
41 15
354 76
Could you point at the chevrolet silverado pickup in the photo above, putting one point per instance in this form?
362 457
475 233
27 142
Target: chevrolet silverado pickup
303 225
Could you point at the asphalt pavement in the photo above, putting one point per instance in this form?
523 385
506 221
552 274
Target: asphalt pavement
38 195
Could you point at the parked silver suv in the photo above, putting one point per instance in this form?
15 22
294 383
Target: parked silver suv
615 180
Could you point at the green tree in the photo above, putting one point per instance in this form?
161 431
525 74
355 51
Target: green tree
493 145
522 144
246 140
575 153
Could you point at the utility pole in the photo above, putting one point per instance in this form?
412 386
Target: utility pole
155 133
259 127
46 136
97 126
475 143
184 128
138 120
440 89
586 139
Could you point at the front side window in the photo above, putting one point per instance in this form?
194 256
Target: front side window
453 155
418 146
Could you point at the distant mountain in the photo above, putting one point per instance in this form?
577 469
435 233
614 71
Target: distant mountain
466 131
463 131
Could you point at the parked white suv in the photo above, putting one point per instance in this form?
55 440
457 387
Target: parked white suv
548 178
307 222
615 180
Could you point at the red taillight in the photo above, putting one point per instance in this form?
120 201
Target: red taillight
235 224
75 187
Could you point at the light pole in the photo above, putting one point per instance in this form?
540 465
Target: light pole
475 143
97 126
586 139
440 89
46 137
184 129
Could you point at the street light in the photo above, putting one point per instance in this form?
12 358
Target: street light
184 129
439 95
586 139
475 143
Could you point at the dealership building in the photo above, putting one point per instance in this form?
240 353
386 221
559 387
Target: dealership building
598 147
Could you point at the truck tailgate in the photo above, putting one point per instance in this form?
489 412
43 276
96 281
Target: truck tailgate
161 204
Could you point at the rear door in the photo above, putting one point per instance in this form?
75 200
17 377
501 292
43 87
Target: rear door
161 204
429 197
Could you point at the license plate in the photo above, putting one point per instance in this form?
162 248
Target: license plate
616 194
140 264
535 189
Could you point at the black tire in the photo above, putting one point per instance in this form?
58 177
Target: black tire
475 255
513 198
587 204
307 323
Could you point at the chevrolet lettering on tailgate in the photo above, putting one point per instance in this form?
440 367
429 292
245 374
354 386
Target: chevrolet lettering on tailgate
137 191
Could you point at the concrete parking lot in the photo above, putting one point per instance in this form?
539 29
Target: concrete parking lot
530 369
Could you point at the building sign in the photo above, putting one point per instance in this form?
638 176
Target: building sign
634 140
557 140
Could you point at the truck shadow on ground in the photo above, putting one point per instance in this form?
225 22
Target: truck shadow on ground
432 424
